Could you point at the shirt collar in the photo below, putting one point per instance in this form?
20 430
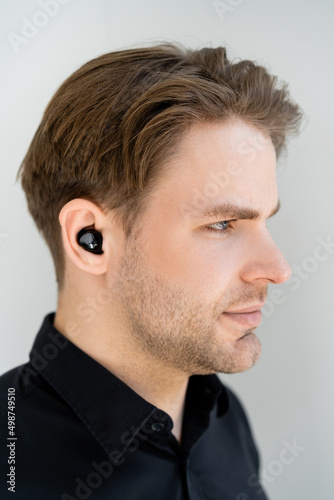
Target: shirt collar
110 409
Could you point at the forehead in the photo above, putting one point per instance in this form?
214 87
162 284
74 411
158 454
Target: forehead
230 162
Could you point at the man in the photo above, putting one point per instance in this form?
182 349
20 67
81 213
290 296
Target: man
151 177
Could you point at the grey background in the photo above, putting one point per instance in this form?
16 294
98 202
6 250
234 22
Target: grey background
288 394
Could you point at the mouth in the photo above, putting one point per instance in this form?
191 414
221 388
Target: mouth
249 317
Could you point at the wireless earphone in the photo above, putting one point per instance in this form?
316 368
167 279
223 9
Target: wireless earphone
90 240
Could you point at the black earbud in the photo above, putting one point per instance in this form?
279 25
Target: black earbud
90 240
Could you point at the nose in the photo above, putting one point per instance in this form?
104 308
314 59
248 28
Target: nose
265 262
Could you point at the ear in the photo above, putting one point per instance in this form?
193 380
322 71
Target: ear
74 216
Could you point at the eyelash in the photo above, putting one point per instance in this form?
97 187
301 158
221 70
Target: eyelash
221 232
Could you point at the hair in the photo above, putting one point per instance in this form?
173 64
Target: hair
112 126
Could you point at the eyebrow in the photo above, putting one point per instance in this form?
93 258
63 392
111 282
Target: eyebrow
233 211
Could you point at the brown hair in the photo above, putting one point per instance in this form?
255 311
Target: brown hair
114 123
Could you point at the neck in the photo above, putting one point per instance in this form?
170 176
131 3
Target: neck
158 384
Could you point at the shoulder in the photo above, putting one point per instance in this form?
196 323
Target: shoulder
20 381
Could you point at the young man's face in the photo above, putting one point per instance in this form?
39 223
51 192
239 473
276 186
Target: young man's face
179 281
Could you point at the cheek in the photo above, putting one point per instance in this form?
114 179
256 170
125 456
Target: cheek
214 265
195 262
170 257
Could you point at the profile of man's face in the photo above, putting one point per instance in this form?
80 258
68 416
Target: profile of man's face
179 281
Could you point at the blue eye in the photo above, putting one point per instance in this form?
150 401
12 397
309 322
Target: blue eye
223 225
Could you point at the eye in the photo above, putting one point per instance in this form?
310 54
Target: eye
222 227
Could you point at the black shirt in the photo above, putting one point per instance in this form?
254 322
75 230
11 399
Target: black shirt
73 430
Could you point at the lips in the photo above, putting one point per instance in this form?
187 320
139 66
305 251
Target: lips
254 307
250 319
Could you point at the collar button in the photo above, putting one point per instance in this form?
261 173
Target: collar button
157 426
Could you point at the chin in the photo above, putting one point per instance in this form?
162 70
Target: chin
246 355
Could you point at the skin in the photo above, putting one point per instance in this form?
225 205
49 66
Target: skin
149 309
